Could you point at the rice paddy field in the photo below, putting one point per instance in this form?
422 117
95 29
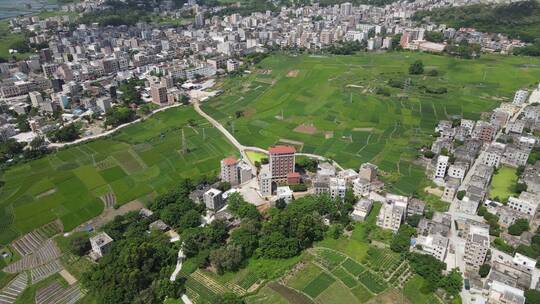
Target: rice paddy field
74 184
344 107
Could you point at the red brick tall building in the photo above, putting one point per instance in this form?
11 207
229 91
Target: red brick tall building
281 162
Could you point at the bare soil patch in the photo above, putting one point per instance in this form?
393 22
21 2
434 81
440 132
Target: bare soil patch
70 279
328 134
263 72
389 297
435 191
48 192
291 295
293 73
306 129
363 129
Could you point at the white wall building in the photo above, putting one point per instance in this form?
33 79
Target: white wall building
338 187
440 167
284 193
520 97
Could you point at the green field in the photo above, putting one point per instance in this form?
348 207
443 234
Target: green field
331 107
503 183
255 156
141 159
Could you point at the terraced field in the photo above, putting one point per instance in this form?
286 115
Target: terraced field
73 184
332 277
337 106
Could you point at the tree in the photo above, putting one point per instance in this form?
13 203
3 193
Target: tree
434 36
484 270
413 220
427 267
519 226
119 115
65 134
281 204
453 282
521 187
242 209
22 123
416 68
401 241
131 272
247 237
307 164
429 154
80 245
335 231
191 219
532 296
227 258
224 186
277 246
461 194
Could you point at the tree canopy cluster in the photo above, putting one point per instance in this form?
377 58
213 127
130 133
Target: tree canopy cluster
517 19
65 134
431 270
282 233
137 267
119 115
176 209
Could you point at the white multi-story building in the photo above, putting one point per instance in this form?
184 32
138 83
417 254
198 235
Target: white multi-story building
100 243
515 157
440 168
361 209
458 170
476 246
520 97
527 203
493 155
35 98
505 294
213 199
392 212
433 244
338 187
265 181
361 187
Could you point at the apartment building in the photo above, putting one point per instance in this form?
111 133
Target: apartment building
434 245
476 246
281 162
213 199
441 166
392 212
338 187
229 171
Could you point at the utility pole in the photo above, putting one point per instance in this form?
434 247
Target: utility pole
203 134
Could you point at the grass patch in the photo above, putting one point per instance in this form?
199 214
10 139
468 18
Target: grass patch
255 156
503 183
82 173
